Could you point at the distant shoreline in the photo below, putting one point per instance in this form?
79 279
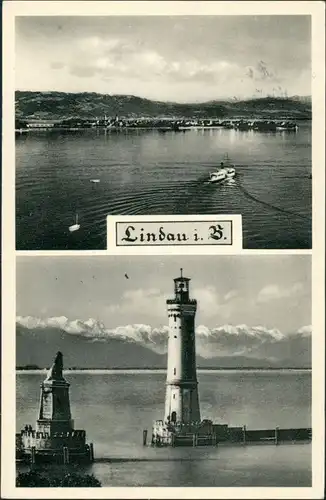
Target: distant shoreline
94 107
123 129
157 370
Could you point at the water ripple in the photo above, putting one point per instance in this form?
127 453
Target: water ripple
161 174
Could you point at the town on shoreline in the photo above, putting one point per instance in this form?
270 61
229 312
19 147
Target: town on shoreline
163 125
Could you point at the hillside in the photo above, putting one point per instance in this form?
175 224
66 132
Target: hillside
60 105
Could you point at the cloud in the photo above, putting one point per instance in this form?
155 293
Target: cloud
197 61
275 292
305 331
141 301
148 301
208 300
212 304
226 340
119 58
232 294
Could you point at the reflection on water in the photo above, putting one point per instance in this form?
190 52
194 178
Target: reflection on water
114 408
145 172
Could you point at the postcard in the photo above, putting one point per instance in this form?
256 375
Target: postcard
163 249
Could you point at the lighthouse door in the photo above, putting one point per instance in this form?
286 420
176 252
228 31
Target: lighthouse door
173 416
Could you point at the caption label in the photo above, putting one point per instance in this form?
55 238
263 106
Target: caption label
198 234
149 233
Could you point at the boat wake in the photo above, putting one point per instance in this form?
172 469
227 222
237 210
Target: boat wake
195 196
235 182
269 205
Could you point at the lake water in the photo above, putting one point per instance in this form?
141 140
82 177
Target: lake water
115 407
152 173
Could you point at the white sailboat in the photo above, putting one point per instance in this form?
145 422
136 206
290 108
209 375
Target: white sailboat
75 226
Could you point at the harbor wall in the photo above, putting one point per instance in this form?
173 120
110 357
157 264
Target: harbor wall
42 441
33 446
212 435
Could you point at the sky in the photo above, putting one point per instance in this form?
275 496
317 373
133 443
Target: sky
182 59
269 291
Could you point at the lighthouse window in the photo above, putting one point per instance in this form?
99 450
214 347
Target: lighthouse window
175 318
173 396
174 371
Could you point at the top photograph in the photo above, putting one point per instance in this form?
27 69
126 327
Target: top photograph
162 115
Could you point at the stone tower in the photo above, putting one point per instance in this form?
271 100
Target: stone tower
181 400
54 413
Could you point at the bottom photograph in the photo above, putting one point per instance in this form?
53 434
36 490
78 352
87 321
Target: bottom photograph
190 371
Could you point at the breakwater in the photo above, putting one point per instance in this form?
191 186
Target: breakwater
214 435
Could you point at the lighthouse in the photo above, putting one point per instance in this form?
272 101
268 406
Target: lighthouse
181 399
182 424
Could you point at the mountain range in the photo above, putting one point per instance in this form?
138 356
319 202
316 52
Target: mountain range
62 105
88 345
